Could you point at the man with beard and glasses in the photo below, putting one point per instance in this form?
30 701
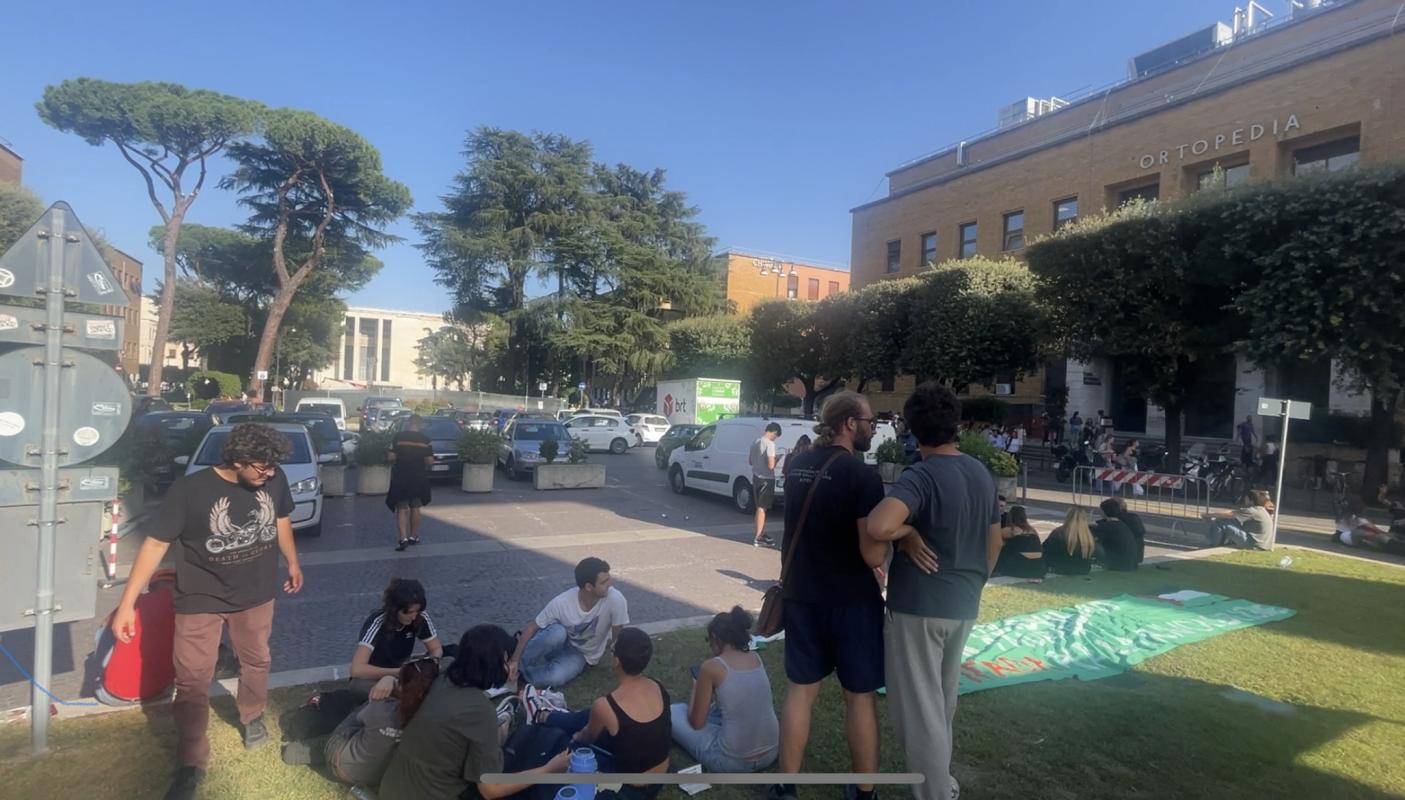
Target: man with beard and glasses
229 524
832 605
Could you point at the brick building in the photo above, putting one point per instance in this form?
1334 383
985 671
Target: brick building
1318 90
11 165
127 271
752 278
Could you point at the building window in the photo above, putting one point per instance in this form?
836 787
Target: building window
385 350
968 239
1148 193
1014 231
888 383
929 249
370 346
1065 211
895 256
812 288
834 287
1329 157
1237 175
792 286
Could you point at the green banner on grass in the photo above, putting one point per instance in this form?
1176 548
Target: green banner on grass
1100 639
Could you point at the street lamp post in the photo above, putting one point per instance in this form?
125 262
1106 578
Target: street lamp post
769 265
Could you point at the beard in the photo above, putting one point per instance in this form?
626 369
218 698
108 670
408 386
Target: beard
862 441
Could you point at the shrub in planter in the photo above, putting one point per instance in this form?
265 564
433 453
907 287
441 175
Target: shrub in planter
550 450
578 453
1000 463
372 458
137 454
478 446
890 460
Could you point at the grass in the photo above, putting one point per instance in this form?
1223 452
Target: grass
1330 721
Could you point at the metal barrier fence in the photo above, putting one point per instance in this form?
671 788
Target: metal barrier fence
1180 497
466 401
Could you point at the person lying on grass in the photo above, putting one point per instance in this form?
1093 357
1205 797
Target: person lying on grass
1355 530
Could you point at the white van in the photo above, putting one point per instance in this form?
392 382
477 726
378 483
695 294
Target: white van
331 406
716 459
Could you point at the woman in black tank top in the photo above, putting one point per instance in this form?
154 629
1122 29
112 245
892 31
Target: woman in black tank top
641 746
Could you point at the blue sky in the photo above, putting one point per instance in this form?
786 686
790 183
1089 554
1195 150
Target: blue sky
776 118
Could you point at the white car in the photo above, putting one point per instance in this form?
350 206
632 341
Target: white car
717 459
650 428
882 432
602 433
331 406
302 469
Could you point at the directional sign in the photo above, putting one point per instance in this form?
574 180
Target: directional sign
85 273
87 425
1273 407
90 331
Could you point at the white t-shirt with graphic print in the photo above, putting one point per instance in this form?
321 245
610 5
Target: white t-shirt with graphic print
587 631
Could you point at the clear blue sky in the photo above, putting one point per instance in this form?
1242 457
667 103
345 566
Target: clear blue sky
776 118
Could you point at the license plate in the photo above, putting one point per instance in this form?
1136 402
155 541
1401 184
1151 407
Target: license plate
439 468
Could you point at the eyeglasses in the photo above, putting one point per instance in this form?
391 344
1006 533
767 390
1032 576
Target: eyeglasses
263 469
872 421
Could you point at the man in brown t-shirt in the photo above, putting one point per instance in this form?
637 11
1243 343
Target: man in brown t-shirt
229 524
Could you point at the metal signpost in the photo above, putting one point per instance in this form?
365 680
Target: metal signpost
1284 410
58 407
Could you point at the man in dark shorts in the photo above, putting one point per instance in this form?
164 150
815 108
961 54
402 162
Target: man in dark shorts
230 523
411 455
944 518
763 480
832 605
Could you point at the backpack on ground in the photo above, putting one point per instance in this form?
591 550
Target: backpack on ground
531 746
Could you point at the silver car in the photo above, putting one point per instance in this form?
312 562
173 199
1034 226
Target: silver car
520 452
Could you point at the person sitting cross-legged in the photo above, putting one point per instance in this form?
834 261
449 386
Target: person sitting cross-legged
1250 526
1117 545
388 639
574 629
730 725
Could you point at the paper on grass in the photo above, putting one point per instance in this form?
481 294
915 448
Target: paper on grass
693 788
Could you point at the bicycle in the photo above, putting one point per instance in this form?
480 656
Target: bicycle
1340 504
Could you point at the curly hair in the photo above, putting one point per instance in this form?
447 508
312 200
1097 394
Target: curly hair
252 443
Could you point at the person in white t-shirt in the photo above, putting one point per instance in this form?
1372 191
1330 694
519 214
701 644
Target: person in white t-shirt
574 629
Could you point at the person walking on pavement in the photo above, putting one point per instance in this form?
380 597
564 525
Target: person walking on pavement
229 523
945 518
763 480
832 606
411 455
1248 437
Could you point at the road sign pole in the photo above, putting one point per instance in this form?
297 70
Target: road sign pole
1282 462
56 242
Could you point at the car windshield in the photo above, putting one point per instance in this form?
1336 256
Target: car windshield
538 431
210 451
321 408
440 428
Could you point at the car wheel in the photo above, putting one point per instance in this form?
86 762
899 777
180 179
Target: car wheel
661 459
512 472
675 480
618 446
315 530
743 496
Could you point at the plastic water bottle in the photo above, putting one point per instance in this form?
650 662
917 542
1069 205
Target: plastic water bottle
1285 562
582 761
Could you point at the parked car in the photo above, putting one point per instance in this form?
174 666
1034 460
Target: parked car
650 428
147 405
325 436
443 433
300 468
676 436
716 460
520 452
220 409
501 418
603 433
883 430
378 417
349 440
468 420
378 400
389 416
331 406
182 431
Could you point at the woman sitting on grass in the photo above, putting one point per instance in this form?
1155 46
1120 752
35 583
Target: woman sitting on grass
388 637
1070 547
453 741
359 749
630 728
730 726
1021 556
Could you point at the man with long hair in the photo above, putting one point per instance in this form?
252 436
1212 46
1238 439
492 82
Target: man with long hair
832 605
230 523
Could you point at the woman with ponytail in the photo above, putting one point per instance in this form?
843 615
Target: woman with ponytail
730 725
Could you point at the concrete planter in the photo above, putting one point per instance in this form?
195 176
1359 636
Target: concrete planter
569 476
1007 487
889 471
333 480
477 478
373 480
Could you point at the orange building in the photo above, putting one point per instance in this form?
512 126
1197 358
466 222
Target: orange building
127 271
11 165
752 278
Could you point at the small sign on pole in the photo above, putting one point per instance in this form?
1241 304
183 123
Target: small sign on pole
1285 410
262 374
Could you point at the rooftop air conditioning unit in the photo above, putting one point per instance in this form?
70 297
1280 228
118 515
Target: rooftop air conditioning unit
1027 109
1183 49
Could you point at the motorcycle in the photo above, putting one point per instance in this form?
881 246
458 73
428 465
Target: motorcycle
1068 460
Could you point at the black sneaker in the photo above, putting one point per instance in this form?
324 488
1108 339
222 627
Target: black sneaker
413 540
255 734
404 544
297 753
763 540
781 791
184 784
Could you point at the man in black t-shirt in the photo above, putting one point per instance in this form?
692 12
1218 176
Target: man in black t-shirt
1116 541
229 524
832 605
1134 523
944 518
411 455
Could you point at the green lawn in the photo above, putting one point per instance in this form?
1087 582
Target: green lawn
1319 709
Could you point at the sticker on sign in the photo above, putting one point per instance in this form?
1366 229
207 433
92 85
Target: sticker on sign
100 283
86 436
8 323
7 279
101 329
107 409
94 482
11 424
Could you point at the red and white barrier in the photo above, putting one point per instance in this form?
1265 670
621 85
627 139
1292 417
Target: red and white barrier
1150 480
112 537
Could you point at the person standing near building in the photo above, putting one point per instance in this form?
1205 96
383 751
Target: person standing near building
230 523
833 609
1075 428
1248 438
411 455
944 516
763 480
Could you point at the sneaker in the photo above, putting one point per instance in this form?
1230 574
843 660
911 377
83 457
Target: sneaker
184 784
763 541
955 788
300 753
255 733
404 543
781 791
413 540
361 793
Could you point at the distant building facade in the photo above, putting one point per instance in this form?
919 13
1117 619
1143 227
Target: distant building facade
127 271
752 278
11 165
378 347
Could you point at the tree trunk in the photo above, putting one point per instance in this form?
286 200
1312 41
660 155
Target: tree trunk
168 300
1377 470
268 340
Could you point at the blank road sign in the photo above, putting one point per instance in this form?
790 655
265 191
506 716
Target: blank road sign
1273 407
